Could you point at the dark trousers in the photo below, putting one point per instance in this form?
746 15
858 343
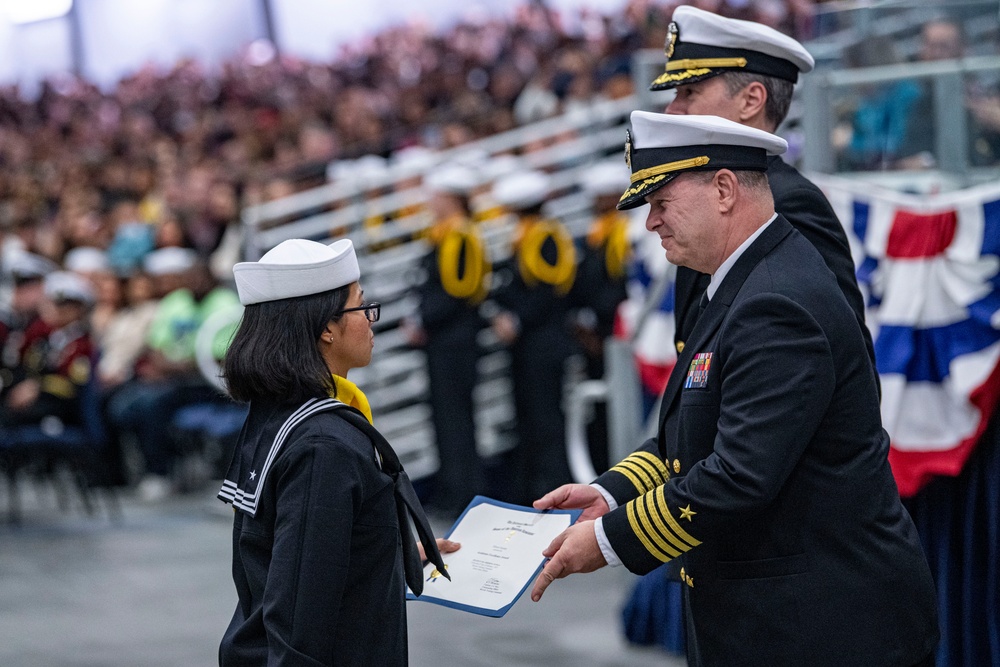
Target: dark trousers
451 365
538 369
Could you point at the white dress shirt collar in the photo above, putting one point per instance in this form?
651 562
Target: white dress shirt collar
720 274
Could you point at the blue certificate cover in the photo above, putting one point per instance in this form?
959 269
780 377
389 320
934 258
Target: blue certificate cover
501 556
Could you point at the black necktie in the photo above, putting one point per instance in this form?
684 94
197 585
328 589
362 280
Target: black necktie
703 304
407 506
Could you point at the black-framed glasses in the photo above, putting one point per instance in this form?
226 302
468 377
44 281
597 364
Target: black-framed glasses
372 311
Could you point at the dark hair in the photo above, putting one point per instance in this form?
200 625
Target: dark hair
274 353
779 93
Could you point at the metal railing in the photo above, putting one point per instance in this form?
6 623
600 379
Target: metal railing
950 115
396 381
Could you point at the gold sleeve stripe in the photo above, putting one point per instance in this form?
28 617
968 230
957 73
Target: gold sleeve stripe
640 533
661 501
657 513
642 472
661 537
657 463
637 462
631 476
695 63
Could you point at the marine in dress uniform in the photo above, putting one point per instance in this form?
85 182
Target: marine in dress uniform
532 289
26 272
712 62
54 357
321 546
457 276
768 478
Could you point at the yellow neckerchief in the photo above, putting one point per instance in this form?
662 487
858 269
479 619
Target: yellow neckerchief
531 234
610 231
348 393
442 227
458 245
487 214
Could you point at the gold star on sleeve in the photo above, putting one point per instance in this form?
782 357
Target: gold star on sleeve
687 512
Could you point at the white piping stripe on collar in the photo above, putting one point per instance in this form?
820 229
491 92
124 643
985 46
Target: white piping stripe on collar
230 492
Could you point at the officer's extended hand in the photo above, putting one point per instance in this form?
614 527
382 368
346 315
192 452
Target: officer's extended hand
573 497
574 550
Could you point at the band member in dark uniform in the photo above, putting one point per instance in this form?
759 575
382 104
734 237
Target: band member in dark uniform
600 284
322 550
456 279
532 291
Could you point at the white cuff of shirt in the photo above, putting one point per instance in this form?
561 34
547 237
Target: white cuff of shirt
602 541
602 538
612 503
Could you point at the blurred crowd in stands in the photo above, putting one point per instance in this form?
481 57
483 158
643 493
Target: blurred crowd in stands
136 192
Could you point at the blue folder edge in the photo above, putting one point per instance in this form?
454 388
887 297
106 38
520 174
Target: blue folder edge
492 613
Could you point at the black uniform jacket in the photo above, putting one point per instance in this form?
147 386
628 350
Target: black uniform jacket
769 480
804 205
318 568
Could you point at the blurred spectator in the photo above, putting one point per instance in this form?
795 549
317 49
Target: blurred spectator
884 114
54 359
166 375
944 39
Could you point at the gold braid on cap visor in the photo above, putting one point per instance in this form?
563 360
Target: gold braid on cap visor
532 265
696 63
653 175
473 284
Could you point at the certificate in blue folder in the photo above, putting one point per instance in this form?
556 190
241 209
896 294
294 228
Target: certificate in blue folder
501 556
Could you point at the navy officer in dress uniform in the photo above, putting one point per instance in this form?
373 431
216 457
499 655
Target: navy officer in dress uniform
322 551
746 72
768 478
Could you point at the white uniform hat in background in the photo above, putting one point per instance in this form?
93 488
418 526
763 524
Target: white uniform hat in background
66 286
659 147
86 259
414 160
701 45
26 266
499 166
607 177
452 179
368 169
165 261
296 267
522 190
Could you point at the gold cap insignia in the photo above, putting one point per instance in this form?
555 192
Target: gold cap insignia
628 149
672 33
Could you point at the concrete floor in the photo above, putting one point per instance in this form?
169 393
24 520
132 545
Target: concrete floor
154 589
